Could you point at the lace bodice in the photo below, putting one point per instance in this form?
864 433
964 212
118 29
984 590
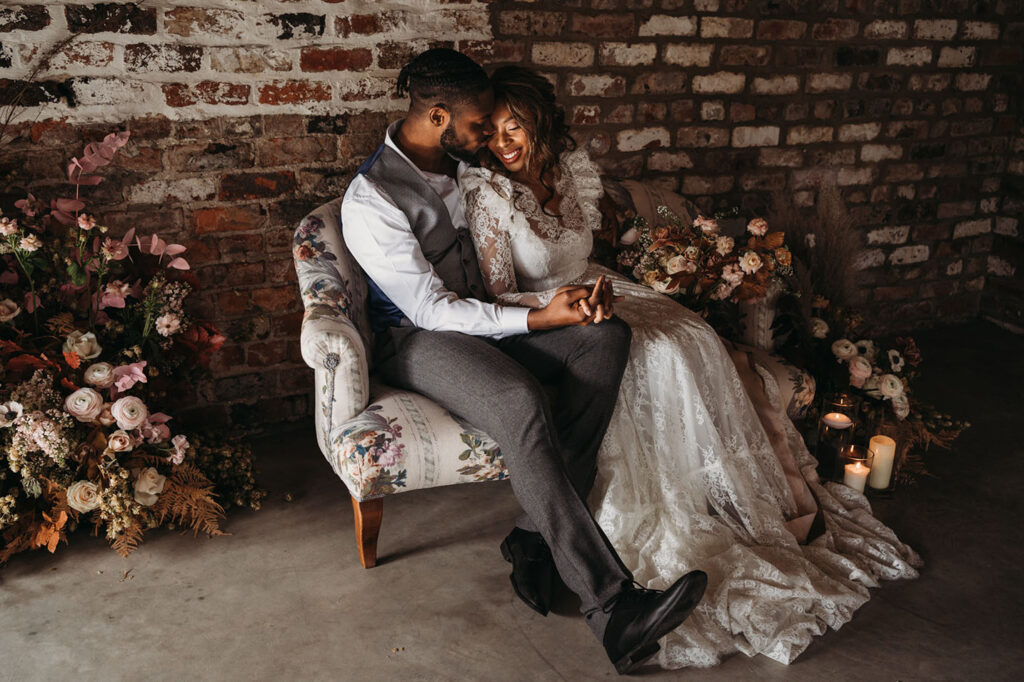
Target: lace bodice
525 254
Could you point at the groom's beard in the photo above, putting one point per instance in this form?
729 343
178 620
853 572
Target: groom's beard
450 143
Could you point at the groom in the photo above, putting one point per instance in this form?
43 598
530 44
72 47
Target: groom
436 335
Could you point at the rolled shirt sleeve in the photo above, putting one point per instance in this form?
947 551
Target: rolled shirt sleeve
381 240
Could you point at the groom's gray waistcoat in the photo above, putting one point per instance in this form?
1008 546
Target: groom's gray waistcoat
448 249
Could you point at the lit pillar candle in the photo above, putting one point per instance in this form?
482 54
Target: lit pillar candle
837 420
856 476
884 449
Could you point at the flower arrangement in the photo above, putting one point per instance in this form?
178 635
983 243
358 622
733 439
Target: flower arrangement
94 339
697 265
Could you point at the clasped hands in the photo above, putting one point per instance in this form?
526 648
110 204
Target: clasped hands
577 305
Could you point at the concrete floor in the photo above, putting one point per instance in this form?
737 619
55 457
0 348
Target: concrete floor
284 597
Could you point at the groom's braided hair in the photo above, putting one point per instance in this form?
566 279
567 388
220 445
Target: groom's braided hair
441 77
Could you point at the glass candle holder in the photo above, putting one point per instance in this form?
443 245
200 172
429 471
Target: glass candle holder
835 431
854 467
883 469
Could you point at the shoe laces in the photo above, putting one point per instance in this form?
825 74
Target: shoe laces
628 594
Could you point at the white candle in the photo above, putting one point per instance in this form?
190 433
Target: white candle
856 476
885 454
837 420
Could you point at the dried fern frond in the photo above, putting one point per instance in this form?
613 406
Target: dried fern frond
129 540
188 499
61 324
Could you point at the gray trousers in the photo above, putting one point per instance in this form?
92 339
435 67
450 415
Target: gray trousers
550 449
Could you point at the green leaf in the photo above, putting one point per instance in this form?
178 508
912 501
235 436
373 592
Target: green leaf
77 274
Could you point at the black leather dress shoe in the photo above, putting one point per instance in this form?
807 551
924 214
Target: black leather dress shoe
640 617
533 569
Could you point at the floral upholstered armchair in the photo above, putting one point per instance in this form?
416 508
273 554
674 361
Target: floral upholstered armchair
380 440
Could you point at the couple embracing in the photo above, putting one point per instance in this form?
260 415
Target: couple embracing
473 223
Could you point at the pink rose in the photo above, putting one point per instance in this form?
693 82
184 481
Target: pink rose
758 227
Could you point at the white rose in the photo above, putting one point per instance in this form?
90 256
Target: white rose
30 243
706 225
663 286
724 245
750 262
819 328
9 412
100 375
732 274
84 404
129 412
83 496
758 227
675 264
901 406
120 441
85 345
860 369
168 325
890 385
844 349
8 310
895 360
148 485
8 226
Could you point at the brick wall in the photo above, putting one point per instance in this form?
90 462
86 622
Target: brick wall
247 114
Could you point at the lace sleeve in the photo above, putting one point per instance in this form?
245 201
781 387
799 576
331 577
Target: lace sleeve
489 216
587 180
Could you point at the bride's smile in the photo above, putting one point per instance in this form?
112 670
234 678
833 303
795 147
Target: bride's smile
510 143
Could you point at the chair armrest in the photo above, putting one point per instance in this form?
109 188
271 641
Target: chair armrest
332 344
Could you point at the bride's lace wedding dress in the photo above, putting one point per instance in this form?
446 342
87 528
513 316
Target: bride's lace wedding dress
687 477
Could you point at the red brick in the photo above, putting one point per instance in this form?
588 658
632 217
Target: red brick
744 55
233 303
207 92
24 18
335 59
294 92
284 151
111 17
835 29
362 24
256 185
604 25
55 131
240 247
265 354
493 51
281 270
278 299
779 29
531 23
201 252
226 219
187 21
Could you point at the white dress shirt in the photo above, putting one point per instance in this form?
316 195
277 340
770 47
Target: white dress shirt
380 238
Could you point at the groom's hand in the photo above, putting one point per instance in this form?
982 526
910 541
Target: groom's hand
566 308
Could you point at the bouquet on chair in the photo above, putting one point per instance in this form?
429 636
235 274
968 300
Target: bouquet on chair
698 266
94 340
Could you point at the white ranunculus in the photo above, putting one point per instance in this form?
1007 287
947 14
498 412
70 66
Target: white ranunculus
9 412
901 406
819 328
85 345
868 349
83 496
100 375
750 262
860 369
843 349
119 441
724 245
85 404
8 310
129 412
148 485
664 286
890 386
675 264
895 360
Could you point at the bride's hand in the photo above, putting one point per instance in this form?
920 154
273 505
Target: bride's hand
566 308
601 301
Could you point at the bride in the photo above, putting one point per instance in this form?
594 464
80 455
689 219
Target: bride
687 475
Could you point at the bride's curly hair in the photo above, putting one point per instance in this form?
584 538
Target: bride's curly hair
530 98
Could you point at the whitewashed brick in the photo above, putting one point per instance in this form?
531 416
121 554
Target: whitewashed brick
908 56
722 81
563 54
868 258
722 27
999 267
972 82
972 228
695 184
956 57
167 191
713 111
859 132
935 29
980 30
906 255
664 25
906 191
682 54
109 91
669 161
826 82
809 134
644 138
755 136
955 268
1007 226
776 85
989 205
855 176
597 85
624 54
889 235
886 30
787 158
932 82
706 5
872 153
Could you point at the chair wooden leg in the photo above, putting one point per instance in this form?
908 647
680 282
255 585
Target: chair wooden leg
368 517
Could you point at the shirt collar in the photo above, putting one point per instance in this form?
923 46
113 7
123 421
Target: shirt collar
390 142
